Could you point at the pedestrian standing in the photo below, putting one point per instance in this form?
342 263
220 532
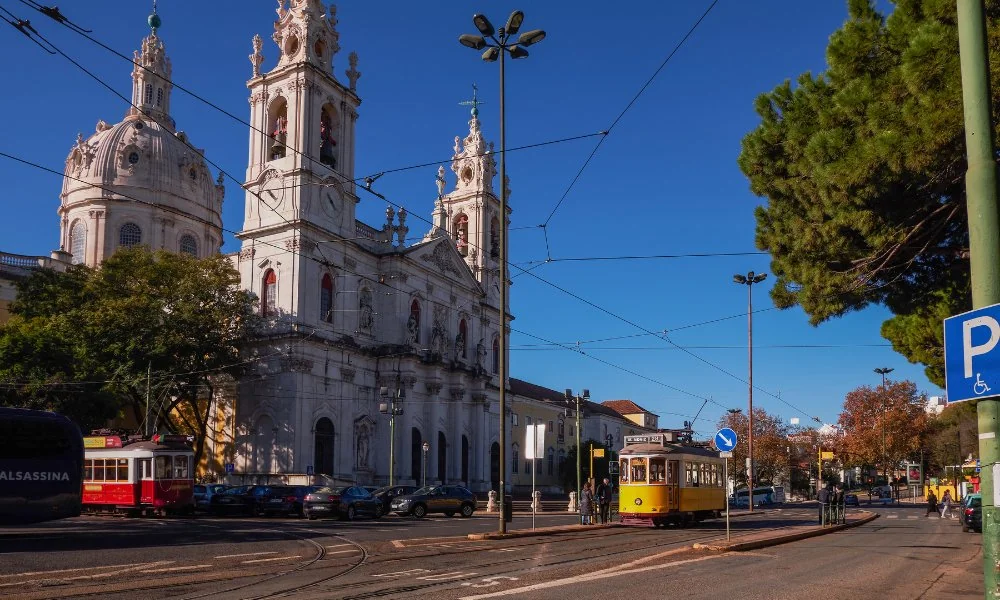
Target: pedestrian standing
587 505
604 500
931 502
946 504
823 496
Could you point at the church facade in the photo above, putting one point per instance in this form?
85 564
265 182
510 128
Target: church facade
363 329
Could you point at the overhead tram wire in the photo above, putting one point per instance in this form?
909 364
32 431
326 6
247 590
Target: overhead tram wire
58 17
625 110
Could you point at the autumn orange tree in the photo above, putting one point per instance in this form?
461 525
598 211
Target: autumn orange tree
770 445
882 426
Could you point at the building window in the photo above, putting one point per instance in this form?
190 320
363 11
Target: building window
133 158
572 431
326 299
461 225
551 460
129 235
463 334
159 96
413 324
269 294
149 93
516 456
496 355
513 419
189 245
551 427
527 420
78 242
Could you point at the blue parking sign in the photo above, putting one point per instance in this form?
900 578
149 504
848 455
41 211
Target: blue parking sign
971 354
230 467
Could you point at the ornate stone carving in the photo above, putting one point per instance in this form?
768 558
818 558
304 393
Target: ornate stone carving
456 393
353 74
433 387
442 259
430 288
350 263
247 254
366 312
439 330
296 365
257 58
364 430
347 374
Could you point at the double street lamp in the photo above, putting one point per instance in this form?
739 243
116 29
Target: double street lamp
501 46
749 280
393 408
883 371
423 472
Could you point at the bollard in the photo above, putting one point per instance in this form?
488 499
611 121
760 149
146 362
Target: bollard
536 502
508 508
572 503
491 503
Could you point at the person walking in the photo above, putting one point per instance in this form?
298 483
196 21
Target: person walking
587 505
604 500
931 502
946 504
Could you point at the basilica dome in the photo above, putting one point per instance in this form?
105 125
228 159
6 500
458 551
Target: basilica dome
140 181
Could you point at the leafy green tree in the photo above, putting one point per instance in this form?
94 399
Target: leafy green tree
863 171
952 437
91 343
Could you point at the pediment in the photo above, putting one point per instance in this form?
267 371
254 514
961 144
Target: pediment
442 256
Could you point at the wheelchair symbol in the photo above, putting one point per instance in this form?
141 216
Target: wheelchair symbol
980 386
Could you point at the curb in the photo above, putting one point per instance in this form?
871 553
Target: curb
494 535
784 539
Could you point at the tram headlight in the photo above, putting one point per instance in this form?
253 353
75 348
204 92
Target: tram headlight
638 501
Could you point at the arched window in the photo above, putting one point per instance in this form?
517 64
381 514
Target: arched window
551 461
277 124
442 458
462 234
129 235
269 294
416 454
189 245
495 238
328 141
463 333
496 355
515 458
326 299
414 321
149 93
159 96
78 242
323 447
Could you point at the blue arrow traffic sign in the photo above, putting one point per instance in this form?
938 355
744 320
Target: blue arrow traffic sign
725 440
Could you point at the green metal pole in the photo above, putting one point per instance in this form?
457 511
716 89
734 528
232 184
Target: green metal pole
984 246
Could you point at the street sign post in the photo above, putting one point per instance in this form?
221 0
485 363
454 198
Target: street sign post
230 467
725 439
534 449
971 354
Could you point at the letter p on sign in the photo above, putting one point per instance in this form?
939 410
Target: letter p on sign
968 350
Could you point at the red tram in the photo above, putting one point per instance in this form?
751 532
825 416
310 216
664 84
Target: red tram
138 475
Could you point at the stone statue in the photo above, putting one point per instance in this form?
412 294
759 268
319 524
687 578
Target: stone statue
257 58
362 447
440 180
459 345
412 329
366 317
481 354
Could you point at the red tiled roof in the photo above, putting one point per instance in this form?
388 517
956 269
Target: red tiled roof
624 407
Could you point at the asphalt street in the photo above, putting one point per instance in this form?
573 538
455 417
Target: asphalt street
404 557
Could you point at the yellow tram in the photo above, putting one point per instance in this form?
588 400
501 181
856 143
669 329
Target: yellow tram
662 482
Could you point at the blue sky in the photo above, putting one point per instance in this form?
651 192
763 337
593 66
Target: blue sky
665 181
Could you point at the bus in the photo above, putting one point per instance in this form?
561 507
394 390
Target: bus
765 494
41 464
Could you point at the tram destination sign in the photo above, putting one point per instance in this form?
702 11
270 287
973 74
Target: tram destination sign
649 438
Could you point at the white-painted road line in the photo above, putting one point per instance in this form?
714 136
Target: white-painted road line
30 573
242 555
171 569
338 546
260 560
342 552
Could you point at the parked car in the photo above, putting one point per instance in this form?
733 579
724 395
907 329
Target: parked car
851 500
203 494
346 502
388 493
971 516
447 499
253 500
880 491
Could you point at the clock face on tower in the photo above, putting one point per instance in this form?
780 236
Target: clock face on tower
272 193
330 200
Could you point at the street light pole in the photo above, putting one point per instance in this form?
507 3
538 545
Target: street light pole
883 371
392 408
749 280
423 471
498 49
571 396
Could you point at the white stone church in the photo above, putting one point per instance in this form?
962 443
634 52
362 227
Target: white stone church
356 317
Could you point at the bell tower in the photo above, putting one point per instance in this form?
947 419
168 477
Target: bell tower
301 159
471 212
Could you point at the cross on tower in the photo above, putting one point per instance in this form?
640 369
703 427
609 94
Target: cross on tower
475 102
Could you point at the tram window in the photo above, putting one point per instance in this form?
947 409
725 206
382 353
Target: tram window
705 479
624 471
88 470
180 467
146 468
691 474
122 469
162 467
638 470
657 470
99 469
